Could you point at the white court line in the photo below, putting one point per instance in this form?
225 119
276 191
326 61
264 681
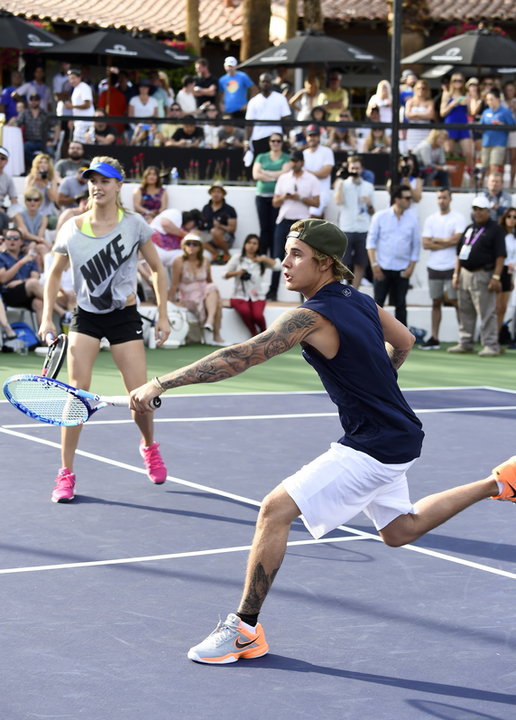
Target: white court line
178 394
359 534
278 416
170 556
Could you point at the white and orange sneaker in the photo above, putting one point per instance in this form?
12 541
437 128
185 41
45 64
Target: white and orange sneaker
230 641
506 473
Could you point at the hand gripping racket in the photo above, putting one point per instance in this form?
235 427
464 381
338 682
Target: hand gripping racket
56 403
56 354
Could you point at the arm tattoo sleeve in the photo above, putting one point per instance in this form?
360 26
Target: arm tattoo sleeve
397 356
285 333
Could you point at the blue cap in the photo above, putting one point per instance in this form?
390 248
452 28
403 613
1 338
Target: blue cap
103 169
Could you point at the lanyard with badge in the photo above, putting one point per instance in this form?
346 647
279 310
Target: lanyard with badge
469 242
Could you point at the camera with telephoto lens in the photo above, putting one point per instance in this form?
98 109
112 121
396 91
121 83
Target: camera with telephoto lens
43 174
342 171
245 276
405 166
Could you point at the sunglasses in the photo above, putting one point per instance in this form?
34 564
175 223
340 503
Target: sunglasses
33 199
406 197
12 237
275 141
192 243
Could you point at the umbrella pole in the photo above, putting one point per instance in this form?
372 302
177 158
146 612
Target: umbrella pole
395 85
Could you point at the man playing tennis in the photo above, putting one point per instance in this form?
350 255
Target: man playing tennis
356 348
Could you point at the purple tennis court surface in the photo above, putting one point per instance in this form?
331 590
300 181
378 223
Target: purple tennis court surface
103 597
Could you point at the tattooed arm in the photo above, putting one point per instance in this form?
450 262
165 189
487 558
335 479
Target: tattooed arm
286 332
398 339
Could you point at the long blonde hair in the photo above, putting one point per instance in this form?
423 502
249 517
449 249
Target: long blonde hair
115 164
34 167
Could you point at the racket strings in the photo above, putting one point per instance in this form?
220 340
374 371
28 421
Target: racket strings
49 403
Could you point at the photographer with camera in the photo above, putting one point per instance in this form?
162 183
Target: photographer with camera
251 283
409 176
354 197
43 178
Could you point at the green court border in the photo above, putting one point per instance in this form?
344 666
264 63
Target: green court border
289 372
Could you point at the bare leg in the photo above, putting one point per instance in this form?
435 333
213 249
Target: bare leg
358 272
130 359
436 317
434 510
269 543
82 352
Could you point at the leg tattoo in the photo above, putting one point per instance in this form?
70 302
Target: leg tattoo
259 586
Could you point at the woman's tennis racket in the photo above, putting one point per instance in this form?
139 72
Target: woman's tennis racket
56 354
56 403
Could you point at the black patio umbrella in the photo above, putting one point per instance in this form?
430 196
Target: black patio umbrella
475 48
120 49
18 34
309 48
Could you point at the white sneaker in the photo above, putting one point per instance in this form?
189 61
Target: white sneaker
230 641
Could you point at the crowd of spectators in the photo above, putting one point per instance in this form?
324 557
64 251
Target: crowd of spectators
295 172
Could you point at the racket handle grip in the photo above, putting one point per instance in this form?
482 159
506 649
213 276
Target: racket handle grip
156 402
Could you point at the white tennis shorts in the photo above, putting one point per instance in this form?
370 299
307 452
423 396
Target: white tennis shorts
343 482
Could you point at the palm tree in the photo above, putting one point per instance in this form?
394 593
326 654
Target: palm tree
256 18
415 22
192 25
312 15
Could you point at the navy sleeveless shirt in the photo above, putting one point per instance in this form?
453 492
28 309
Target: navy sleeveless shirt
361 380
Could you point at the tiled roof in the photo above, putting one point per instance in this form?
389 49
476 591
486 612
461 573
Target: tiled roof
222 19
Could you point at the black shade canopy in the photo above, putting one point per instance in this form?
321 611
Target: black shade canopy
121 48
18 34
475 48
309 48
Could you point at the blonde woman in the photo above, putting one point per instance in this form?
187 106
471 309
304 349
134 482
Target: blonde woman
43 177
304 101
419 109
382 99
192 286
454 109
32 223
101 246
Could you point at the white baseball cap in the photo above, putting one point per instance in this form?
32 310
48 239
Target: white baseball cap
4 151
231 61
481 202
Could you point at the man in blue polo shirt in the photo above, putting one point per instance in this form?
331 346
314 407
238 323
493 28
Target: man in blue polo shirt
494 142
234 86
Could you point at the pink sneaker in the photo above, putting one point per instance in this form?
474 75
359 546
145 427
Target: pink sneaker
156 469
65 484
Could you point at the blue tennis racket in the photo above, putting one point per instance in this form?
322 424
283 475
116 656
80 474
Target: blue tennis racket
56 403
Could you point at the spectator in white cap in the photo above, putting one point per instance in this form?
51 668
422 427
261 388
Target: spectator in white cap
480 259
7 188
234 86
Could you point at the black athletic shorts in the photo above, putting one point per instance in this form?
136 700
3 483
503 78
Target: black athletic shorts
117 326
17 297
